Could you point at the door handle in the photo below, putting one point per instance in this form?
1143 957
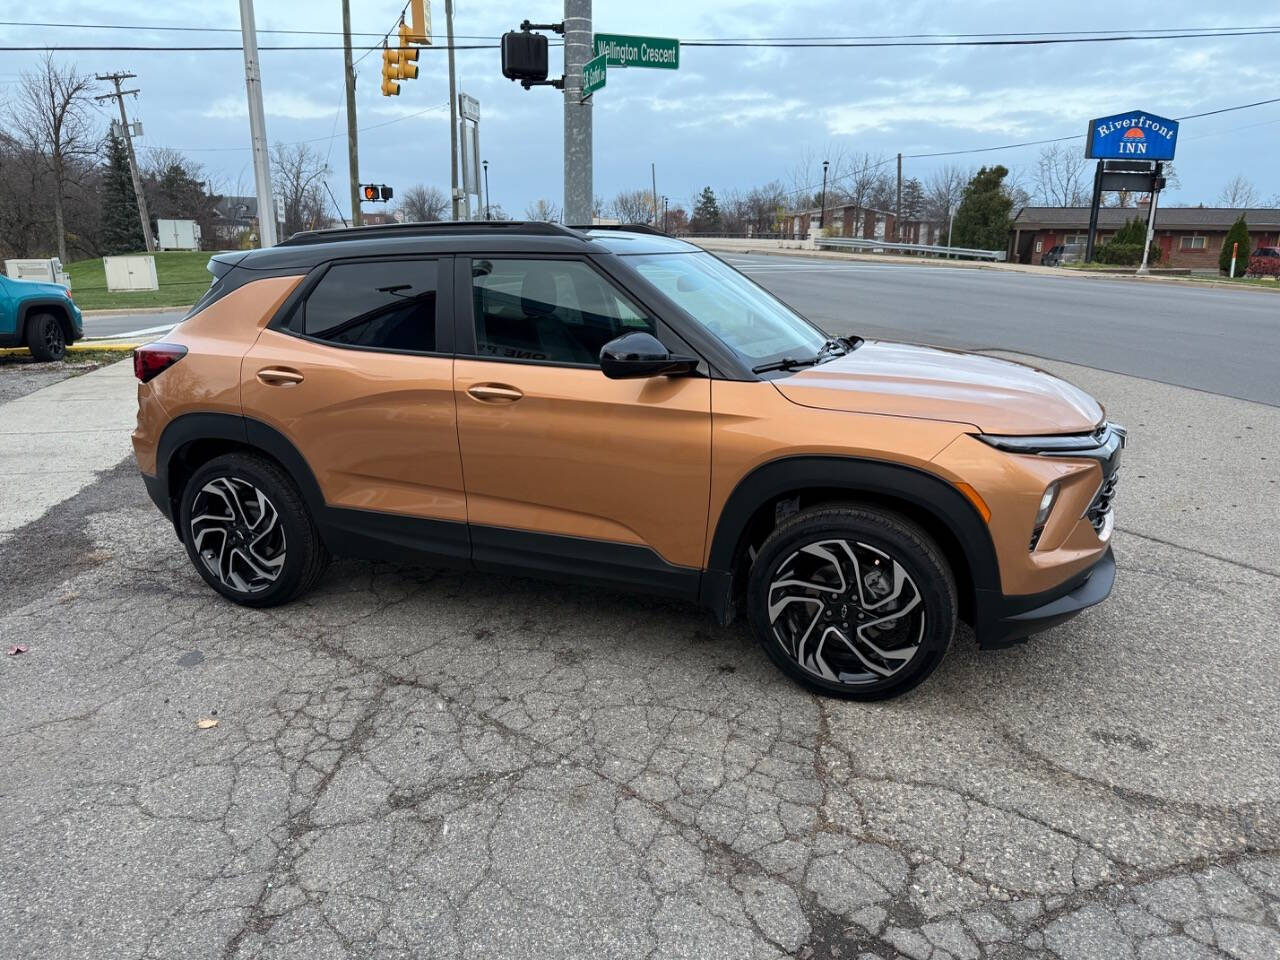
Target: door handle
494 393
279 376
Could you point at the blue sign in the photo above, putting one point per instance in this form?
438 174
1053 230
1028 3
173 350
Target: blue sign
1131 136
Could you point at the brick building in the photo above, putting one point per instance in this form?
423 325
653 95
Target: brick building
1187 236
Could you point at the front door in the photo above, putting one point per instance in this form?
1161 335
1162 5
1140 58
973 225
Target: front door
359 379
566 470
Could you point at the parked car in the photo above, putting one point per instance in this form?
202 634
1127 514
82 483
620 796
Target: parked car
1063 253
39 316
618 408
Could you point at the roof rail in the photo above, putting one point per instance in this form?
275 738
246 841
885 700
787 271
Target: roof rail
628 227
433 228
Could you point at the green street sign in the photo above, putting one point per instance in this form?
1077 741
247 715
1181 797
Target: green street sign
621 50
593 75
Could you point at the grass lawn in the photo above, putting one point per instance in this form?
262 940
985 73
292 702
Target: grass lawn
183 276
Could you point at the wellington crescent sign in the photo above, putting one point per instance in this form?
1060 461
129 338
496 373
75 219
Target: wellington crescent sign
622 50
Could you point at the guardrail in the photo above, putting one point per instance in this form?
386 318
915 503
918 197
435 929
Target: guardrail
853 243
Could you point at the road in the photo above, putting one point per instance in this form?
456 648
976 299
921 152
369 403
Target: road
141 325
1221 341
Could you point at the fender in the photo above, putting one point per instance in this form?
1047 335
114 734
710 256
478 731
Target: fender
896 481
51 305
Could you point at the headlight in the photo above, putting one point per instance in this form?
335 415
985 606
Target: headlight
1047 500
1060 443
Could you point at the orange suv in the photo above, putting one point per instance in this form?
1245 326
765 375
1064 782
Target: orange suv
620 408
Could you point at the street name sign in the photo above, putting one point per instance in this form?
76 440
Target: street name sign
593 75
1131 136
622 50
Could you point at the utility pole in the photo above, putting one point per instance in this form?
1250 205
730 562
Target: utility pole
897 209
578 187
822 214
653 172
257 128
127 133
353 148
454 193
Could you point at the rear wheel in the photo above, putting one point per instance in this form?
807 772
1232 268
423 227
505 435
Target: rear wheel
852 601
248 531
45 338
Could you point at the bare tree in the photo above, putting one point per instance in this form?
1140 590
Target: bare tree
1015 188
542 209
634 206
853 179
421 204
54 114
1238 192
298 173
943 191
1060 177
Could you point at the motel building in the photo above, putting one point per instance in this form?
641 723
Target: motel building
1188 237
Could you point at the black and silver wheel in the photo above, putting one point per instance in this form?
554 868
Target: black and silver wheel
852 601
45 338
248 531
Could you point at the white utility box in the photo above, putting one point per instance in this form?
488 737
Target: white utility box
130 273
177 235
48 271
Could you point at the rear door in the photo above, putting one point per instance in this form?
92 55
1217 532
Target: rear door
357 375
566 470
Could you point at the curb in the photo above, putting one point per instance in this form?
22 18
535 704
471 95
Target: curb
135 311
78 348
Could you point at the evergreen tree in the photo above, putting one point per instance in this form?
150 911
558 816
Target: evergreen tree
982 219
121 230
1239 233
706 213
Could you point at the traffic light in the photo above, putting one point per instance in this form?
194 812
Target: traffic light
407 54
420 17
376 192
391 71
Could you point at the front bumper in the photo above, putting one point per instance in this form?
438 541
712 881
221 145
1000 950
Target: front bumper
1004 620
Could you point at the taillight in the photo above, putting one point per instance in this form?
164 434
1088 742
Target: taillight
155 358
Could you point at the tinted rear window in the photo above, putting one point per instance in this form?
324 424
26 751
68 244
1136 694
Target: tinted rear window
384 304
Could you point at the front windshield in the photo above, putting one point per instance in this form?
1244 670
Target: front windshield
738 311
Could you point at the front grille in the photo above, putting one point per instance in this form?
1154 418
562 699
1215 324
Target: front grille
1101 506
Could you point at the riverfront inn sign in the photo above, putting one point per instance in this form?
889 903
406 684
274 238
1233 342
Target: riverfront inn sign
1135 135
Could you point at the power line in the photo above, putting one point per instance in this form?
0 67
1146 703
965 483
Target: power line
837 44
138 27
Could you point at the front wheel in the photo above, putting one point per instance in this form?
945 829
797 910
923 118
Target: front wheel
45 338
248 531
852 601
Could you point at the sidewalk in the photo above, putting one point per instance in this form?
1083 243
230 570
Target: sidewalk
53 442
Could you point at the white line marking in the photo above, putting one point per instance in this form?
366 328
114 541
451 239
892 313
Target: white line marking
134 333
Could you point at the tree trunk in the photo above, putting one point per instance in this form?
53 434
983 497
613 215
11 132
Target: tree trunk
58 226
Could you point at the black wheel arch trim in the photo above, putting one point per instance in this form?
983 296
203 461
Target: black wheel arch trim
882 479
50 305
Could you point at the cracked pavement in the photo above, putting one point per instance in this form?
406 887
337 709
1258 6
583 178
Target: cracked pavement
414 763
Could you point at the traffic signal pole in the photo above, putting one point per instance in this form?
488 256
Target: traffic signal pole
353 149
257 128
578 187
127 133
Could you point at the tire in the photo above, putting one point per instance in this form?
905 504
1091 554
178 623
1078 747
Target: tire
819 573
45 338
226 518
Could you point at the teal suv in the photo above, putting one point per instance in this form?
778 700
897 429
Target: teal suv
38 316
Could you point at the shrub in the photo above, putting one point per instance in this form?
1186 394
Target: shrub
1264 267
1239 233
1124 254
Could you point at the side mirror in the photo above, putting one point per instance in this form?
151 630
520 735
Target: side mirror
635 355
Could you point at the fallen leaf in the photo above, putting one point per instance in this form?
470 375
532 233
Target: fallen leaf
16 649
204 723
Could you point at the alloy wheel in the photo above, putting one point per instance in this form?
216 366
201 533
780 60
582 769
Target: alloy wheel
53 341
847 612
236 531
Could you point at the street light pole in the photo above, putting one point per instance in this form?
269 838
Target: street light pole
664 213
822 216
485 164
578 49
951 222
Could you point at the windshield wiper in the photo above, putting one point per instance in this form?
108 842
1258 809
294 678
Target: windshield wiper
786 363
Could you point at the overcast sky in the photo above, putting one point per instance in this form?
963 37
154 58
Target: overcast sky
728 117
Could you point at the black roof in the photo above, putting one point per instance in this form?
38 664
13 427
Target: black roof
305 250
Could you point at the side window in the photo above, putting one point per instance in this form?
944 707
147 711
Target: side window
389 304
556 310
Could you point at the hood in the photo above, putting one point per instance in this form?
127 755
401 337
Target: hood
25 288
996 396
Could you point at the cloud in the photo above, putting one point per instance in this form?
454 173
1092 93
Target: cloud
283 104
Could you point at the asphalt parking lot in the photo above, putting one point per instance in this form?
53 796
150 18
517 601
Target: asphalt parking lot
415 763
